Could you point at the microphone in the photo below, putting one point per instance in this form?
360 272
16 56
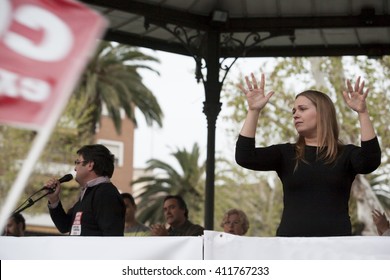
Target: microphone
63 179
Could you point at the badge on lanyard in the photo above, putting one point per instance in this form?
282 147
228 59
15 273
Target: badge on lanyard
76 227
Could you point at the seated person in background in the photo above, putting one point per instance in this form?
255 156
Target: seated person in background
16 225
132 226
381 222
235 222
176 216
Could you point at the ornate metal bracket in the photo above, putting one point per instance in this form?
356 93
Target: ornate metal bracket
229 42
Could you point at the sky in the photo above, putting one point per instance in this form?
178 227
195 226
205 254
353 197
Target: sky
181 99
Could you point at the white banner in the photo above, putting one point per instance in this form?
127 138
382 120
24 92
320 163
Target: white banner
101 248
212 246
224 246
225 257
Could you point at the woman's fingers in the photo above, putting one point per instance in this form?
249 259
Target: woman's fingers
248 83
349 86
254 81
262 82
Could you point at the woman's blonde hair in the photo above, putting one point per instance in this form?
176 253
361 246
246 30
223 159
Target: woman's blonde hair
328 144
241 214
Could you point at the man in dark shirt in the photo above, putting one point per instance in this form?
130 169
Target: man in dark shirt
176 215
100 210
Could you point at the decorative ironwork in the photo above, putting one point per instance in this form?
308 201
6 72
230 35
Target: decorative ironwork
238 47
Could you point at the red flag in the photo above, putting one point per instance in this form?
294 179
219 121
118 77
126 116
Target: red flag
44 47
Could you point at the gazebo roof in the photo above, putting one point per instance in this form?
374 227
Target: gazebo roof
252 28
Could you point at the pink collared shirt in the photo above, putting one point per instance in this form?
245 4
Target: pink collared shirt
94 182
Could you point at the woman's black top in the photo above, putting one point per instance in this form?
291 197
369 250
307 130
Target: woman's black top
316 194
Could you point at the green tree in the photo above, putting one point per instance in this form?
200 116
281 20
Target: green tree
14 145
186 181
112 79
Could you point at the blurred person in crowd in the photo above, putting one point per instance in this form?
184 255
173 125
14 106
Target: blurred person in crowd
132 226
381 223
176 216
235 222
16 225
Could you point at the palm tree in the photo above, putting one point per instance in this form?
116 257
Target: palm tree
167 180
112 79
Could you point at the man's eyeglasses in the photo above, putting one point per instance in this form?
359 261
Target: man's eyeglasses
77 162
